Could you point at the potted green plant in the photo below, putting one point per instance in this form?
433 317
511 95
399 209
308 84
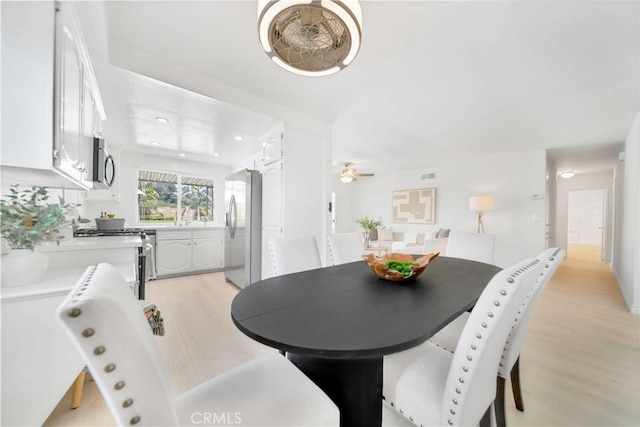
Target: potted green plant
26 220
367 224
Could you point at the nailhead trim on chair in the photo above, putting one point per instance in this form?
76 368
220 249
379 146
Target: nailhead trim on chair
100 349
478 336
273 263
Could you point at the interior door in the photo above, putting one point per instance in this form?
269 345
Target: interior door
586 218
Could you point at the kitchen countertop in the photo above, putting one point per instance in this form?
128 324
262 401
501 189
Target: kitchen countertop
90 243
61 276
180 227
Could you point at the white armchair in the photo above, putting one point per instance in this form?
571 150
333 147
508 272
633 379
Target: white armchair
344 247
293 254
110 331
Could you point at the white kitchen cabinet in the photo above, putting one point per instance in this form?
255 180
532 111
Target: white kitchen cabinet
188 251
207 253
51 105
174 256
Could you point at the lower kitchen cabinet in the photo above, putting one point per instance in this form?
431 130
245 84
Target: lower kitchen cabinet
188 251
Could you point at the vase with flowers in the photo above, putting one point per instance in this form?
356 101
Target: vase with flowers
367 224
26 220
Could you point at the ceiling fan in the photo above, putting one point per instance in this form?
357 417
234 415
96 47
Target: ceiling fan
349 174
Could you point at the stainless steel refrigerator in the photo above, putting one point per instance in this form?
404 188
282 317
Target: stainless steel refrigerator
243 231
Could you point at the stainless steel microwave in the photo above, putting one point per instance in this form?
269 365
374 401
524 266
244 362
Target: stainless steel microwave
104 167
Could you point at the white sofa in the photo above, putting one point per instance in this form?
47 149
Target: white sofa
411 242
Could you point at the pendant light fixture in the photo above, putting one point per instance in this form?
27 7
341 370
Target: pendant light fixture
312 37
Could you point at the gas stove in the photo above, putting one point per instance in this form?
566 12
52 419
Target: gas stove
94 232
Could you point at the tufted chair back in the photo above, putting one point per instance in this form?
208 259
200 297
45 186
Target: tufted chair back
344 248
291 255
476 247
550 258
471 382
106 324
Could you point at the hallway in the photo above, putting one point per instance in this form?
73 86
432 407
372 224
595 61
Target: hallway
580 364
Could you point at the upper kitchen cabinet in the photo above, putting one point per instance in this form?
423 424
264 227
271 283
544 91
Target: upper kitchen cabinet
51 105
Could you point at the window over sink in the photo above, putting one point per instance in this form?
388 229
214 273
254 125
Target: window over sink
172 198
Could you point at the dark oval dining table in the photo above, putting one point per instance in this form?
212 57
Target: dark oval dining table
336 323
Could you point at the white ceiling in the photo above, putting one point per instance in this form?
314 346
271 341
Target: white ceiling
430 77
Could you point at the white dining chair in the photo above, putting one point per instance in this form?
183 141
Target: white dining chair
448 337
472 246
431 386
344 248
105 322
293 254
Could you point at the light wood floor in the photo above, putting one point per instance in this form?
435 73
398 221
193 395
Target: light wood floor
580 365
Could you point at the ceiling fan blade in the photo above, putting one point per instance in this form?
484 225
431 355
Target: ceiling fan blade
365 174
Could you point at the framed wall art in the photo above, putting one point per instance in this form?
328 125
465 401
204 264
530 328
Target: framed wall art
414 206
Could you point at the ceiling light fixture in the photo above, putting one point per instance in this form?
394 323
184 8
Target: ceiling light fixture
238 138
162 119
154 143
216 155
310 37
182 155
567 174
348 174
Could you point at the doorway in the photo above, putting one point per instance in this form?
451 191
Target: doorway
586 219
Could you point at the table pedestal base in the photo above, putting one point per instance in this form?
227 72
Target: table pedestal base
355 385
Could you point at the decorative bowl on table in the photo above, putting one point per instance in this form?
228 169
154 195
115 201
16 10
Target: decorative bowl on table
398 267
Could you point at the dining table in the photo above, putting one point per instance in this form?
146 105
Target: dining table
337 323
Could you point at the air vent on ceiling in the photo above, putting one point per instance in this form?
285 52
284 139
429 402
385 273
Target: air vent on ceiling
428 176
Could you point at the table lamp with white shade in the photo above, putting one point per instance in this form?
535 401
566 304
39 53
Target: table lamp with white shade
481 204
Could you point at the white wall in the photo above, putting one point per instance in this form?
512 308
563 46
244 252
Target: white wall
512 178
583 182
626 259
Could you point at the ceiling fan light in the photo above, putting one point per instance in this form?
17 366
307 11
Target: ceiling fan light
346 179
304 73
351 15
310 37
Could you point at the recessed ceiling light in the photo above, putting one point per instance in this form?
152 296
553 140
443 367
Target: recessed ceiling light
162 119
216 155
182 155
567 174
238 138
264 143
154 143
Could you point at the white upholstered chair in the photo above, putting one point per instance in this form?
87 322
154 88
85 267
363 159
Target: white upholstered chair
432 386
293 254
448 337
476 247
105 322
344 248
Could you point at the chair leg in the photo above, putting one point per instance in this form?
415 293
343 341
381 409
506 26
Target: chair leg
78 386
501 418
515 385
485 421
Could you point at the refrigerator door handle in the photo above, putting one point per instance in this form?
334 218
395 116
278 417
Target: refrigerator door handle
233 217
